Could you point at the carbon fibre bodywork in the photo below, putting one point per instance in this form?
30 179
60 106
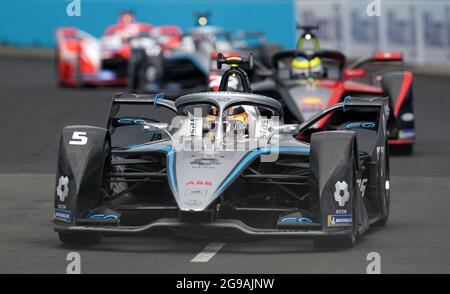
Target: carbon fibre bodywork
330 186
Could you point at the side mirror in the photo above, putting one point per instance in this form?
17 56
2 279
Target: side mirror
156 127
352 73
388 56
286 129
290 129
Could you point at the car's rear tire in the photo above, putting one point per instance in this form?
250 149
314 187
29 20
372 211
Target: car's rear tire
341 243
383 221
138 71
403 149
59 79
407 149
77 75
80 238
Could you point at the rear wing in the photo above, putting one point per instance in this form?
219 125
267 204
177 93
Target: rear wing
243 36
380 57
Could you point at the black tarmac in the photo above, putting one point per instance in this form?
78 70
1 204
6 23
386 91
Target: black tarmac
34 110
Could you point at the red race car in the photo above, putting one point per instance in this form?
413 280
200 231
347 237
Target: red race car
309 81
85 60
168 36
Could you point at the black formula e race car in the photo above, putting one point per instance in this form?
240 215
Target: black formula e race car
307 81
224 161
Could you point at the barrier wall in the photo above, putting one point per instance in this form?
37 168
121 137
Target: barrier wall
33 22
419 28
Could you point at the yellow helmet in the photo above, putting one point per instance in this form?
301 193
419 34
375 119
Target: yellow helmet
302 67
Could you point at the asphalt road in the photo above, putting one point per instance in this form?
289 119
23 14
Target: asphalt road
34 110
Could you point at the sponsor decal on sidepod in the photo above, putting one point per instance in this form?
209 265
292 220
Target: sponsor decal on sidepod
62 214
341 194
339 220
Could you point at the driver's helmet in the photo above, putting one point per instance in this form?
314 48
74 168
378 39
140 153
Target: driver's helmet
235 121
304 68
126 18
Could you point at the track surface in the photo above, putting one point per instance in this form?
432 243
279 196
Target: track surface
33 112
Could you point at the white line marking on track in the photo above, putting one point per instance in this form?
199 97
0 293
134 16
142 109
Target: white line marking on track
208 252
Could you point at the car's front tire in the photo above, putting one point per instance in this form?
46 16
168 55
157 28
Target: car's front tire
401 149
80 238
386 185
338 243
406 149
341 243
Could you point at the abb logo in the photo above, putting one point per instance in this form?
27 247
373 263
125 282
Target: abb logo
199 183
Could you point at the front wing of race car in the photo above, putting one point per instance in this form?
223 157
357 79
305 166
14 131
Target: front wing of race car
232 225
